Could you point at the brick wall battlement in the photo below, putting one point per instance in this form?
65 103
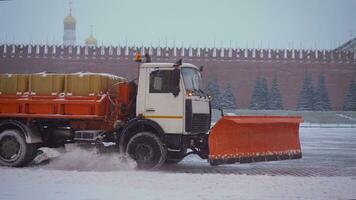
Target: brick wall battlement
223 54
239 67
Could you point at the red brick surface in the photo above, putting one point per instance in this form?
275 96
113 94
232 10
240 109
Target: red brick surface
240 67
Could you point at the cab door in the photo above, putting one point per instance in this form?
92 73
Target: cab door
161 105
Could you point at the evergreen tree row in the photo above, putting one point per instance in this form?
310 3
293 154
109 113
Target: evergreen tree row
350 100
225 100
313 99
310 98
262 99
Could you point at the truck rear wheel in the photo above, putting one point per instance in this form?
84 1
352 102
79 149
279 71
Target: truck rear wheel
147 150
14 152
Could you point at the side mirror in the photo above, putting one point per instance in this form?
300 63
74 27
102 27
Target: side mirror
221 112
201 68
175 78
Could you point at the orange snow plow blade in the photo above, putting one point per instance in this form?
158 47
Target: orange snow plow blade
248 139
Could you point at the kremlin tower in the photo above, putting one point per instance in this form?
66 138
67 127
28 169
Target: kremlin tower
91 40
69 29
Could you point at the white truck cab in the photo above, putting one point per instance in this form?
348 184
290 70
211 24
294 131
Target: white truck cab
187 112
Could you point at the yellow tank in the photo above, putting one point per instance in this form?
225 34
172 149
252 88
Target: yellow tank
77 84
46 84
86 84
13 84
113 84
98 83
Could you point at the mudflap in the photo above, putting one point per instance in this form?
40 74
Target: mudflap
45 154
247 139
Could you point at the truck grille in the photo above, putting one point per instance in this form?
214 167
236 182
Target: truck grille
200 123
196 122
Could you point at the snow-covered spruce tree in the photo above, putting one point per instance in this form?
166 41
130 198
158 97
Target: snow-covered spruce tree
254 103
306 95
264 95
275 98
322 101
350 100
228 100
259 98
214 90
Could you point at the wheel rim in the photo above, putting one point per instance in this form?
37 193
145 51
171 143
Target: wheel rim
144 153
10 148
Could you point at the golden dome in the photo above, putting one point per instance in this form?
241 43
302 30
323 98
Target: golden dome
91 41
70 20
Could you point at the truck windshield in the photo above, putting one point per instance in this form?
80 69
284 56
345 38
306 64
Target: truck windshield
192 79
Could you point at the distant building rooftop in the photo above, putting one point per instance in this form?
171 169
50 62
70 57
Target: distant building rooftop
348 46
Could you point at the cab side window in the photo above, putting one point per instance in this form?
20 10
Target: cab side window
160 81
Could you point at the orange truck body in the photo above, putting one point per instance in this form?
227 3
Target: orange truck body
83 108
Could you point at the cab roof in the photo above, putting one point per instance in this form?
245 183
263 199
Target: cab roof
166 65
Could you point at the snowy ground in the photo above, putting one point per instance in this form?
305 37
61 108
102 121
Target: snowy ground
327 171
314 117
56 184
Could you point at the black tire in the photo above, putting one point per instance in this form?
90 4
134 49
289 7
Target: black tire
14 152
147 150
174 157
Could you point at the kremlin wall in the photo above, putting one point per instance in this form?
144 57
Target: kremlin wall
240 67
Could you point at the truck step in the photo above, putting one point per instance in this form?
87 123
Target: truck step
87 135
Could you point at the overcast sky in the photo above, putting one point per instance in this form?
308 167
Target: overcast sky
323 24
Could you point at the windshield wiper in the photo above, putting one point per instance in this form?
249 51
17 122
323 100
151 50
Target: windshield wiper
195 91
204 94
200 92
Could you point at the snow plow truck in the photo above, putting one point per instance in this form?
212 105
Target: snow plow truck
160 118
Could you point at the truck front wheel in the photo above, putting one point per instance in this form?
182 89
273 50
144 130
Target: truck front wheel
14 152
147 150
